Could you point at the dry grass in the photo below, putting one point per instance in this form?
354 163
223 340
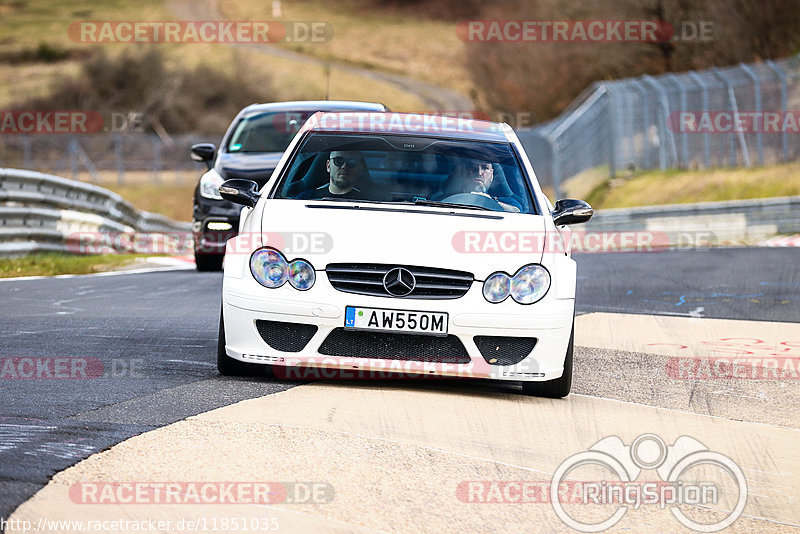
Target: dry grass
27 23
680 187
170 196
362 35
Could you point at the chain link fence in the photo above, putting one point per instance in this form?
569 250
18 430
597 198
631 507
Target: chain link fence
686 120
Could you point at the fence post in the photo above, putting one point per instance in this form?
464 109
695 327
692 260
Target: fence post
704 99
645 110
784 90
613 130
661 122
555 165
73 158
26 153
759 131
684 137
118 155
156 159
735 108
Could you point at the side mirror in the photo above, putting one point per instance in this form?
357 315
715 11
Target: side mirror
240 191
571 211
204 153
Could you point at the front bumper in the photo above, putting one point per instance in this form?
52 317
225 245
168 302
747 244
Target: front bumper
245 302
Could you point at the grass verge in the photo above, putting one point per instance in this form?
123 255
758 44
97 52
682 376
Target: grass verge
51 264
171 200
651 188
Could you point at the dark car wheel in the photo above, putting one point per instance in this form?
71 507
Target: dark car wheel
208 262
232 367
559 387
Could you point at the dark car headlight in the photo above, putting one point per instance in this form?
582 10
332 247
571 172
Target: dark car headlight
209 185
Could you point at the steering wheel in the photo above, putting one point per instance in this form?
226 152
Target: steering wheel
475 199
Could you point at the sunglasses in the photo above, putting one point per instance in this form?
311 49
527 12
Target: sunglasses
339 161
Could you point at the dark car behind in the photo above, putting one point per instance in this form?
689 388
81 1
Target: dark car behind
250 149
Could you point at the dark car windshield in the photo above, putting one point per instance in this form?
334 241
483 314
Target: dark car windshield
266 132
407 169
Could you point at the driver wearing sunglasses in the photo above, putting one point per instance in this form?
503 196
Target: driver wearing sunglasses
345 169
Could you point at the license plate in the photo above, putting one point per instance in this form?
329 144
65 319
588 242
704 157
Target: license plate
407 321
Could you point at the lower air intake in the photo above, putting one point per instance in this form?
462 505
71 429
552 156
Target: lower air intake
407 347
286 337
501 350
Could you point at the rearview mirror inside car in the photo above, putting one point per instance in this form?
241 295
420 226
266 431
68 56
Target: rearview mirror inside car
571 211
240 191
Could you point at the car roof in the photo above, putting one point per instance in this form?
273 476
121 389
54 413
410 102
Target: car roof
424 125
314 105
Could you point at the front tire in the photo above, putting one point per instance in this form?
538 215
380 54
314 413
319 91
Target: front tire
228 366
558 387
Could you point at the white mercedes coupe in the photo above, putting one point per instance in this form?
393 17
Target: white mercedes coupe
401 245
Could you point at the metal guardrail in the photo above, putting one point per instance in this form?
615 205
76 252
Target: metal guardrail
40 212
734 222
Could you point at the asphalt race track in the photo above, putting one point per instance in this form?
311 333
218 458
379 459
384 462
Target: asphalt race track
150 339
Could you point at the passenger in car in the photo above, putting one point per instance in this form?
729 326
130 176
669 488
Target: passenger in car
476 176
346 169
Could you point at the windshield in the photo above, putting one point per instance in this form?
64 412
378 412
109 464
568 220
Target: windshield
406 169
266 132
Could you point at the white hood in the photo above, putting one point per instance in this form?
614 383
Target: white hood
481 242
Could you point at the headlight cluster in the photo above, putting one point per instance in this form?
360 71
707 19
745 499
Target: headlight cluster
529 285
270 269
209 185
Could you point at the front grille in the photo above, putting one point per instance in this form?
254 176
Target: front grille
367 279
286 337
500 350
407 347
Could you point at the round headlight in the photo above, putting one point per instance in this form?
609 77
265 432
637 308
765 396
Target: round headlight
530 284
269 267
496 287
301 275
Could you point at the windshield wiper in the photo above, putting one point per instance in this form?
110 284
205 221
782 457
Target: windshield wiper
340 199
440 204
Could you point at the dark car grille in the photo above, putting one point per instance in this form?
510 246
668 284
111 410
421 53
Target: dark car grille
367 279
286 337
407 347
499 350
